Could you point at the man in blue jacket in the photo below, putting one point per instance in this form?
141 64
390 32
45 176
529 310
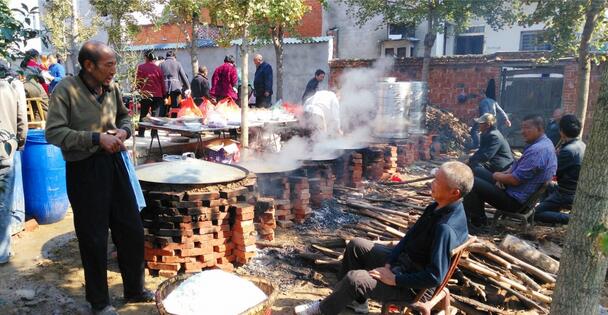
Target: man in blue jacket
262 82
420 260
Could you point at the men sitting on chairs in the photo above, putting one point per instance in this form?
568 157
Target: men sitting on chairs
420 260
509 190
569 158
494 153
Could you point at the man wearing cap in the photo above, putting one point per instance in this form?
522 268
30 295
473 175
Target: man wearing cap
509 190
488 105
494 153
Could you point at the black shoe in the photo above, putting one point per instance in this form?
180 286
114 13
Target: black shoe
144 297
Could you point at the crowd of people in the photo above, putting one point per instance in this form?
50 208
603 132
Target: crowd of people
89 122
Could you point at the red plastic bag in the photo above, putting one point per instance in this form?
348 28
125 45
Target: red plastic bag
295 109
226 104
205 106
187 108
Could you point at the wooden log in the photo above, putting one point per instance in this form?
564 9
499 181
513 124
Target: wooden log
367 213
264 244
367 206
395 202
465 308
409 181
528 302
478 305
503 281
327 251
491 256
528 253
388 229
544 276
478 288
527 280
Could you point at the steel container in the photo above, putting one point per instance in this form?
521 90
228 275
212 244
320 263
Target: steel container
400 109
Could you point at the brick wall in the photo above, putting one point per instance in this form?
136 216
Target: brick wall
310 26
312 23
452 76
166 34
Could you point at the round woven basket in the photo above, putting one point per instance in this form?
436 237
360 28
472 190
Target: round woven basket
263 308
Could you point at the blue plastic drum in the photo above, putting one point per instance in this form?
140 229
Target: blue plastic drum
44 187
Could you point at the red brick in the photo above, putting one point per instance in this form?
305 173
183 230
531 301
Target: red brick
163 266
175 259
167 273
207 195
158 252
243 208
196 251
31 225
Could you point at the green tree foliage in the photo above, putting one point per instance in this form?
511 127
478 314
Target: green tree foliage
278 18
186 14
573 28
66 30
236 19
14 33
119 16
435 13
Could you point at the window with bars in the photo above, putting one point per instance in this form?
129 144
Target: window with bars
533 41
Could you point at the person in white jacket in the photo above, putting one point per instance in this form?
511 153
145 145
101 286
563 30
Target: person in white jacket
322 112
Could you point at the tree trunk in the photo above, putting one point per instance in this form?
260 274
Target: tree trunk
584 62
429 41
193 47
583 267
244 89
277 39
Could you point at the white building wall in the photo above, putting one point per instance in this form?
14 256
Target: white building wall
354 42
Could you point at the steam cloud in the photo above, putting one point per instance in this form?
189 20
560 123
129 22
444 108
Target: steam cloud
358 94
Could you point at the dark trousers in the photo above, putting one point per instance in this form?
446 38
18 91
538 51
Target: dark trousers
482 172
101 196
150 105
173 96
262 101
360 256
475 138
549 209
486 191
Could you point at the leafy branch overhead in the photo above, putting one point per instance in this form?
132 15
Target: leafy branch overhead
13 32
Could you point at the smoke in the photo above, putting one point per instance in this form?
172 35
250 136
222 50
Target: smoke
358 95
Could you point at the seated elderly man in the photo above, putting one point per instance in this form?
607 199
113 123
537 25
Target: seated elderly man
569 159
420 260
494 153
509 190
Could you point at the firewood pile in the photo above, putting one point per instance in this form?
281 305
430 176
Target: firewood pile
452 132
496 277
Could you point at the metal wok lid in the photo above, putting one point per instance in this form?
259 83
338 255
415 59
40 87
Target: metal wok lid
267 167
190 172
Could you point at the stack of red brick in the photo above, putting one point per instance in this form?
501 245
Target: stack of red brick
190 231
407 153
265 218
321 180
390 161
350 170
300 198
374 163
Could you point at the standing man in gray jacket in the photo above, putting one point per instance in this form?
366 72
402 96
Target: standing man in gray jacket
176 79
13 130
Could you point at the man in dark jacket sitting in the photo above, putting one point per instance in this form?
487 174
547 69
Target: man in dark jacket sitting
569 159
420 260
494 153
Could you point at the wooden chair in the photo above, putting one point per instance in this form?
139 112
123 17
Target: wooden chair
424 301
525 214
36 116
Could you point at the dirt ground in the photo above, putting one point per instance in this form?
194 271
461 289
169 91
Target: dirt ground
45 276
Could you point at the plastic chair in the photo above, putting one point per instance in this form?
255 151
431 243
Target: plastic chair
426 300
526 213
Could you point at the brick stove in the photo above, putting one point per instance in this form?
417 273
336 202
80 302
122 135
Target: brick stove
192 227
